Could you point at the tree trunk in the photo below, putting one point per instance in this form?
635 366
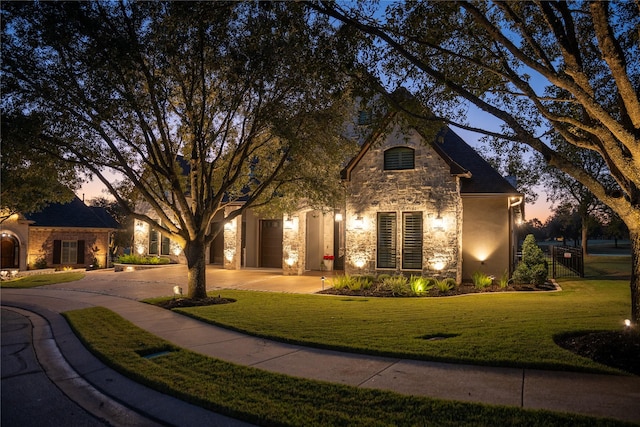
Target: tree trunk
585 229
197 280
634 236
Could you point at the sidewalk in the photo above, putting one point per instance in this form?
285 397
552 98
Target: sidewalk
589 394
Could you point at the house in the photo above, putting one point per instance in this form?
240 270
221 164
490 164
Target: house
415 204
61 235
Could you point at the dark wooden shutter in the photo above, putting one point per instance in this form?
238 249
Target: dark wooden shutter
57 251
80 252
412 240
399 158
153 242
386 250
165 244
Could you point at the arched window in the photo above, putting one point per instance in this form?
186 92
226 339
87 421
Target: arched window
399 158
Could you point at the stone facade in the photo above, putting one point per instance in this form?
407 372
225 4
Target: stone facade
429 188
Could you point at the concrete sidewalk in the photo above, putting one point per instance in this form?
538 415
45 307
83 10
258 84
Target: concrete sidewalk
599 395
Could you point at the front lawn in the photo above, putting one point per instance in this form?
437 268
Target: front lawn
266 398
41 280
504 329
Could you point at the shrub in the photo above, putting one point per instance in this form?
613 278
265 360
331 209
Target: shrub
142 260
40 263
397 285
533 267
341 282
365 282
481 280
419 285
504 279
445 285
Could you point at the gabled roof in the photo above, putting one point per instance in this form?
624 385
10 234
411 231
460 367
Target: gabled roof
72 214
477 175
483 178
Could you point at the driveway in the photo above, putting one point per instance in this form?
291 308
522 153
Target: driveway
160 281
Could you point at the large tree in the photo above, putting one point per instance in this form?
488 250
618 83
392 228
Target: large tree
571 67
196 104
29 178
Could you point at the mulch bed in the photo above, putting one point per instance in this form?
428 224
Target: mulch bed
618 349
463 289
187 302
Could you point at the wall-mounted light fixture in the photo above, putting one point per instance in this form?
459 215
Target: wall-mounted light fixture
230 225
358 223
338 217
288 223
438 223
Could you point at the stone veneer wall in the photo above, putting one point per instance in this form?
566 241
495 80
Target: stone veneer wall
41 244
429 188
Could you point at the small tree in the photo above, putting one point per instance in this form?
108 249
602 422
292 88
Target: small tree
533 267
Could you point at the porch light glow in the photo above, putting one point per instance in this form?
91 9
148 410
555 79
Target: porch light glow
230 225
438 265
140 249
288 223
338 217
229 253
358 223
627 323
438 223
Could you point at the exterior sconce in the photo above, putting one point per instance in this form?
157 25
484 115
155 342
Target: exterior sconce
338 217
229 225
288 223
358 223
229 253
140 249
438 265
438 223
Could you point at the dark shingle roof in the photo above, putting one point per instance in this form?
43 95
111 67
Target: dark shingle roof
484 178
72 214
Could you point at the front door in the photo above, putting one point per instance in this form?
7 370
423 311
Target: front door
271 243
216 250
8 248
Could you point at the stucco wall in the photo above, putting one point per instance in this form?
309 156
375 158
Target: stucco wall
429 188
485 236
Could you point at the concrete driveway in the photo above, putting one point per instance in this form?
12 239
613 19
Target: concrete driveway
160 281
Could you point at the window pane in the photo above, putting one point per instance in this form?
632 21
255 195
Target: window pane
412 241
153 242
399 158
164 248
386 240
69 252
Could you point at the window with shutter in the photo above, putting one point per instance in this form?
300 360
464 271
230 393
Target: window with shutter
399 158
412 240
386 242
69 252
164 245
153 242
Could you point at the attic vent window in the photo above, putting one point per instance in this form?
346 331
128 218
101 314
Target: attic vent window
399 158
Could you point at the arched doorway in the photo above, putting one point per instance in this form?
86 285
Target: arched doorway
9 252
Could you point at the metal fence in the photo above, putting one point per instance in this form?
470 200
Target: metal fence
565 261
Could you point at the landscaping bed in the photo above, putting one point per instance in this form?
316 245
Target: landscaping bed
380 290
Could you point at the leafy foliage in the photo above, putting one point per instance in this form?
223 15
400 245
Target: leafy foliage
142 260
481 280
533 267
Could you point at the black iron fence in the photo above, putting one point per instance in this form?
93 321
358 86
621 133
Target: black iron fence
565 261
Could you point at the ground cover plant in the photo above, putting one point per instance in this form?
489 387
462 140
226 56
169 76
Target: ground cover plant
41 280
142 260
266 398
502 329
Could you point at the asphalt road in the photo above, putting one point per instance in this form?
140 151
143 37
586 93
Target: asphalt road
29 397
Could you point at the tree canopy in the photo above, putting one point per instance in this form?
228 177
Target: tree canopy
567 69
198 105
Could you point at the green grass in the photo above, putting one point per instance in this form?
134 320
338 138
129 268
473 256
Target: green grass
41 280
499 329
266 398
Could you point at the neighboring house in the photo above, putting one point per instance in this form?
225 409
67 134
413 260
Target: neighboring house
62 235
414 206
